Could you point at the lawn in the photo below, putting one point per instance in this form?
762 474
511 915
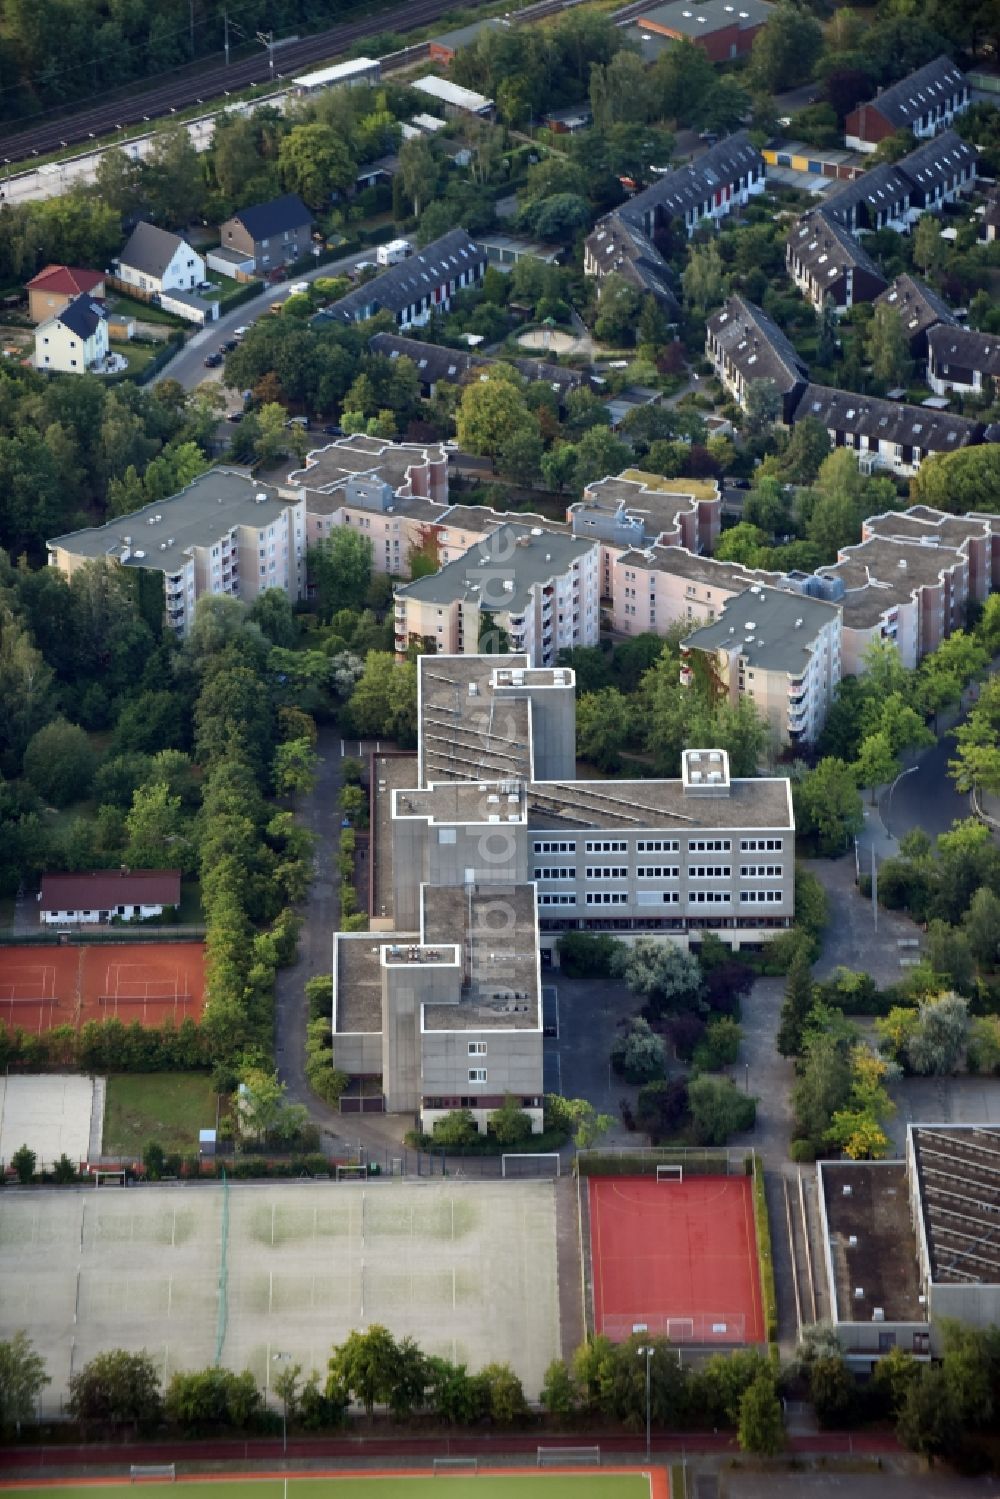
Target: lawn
146 312
577 1485
169 1108
138 355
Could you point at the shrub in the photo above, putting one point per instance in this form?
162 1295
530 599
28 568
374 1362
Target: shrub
639 1055
510 1124
662 1108
23 1161
582 955
456 1128
720 1046
803 1152
719 1110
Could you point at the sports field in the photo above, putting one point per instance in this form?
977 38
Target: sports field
151 982
195 1272
676 1258
603 1484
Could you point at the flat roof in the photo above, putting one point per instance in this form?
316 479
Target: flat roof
497 927
682 563
512 561
770 628
464 802
359 978
760 802
692 18
875 579
452 93
931 527
329 469
336 72
462 736
464 36
390 772
875 1211
162 535
958 1173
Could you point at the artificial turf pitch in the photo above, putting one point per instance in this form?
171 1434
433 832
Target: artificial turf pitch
453 1485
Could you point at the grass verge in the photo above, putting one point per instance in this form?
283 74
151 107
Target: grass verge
169 1108
765 1257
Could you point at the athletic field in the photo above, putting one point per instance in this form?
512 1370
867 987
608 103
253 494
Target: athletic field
603 1484
198 1274
151 982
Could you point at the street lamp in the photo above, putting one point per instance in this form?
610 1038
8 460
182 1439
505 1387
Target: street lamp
280 1358
888 804
647 1354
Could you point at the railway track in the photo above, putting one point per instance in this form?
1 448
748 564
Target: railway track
214 83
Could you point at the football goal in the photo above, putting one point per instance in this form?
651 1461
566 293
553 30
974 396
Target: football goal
670 1173
152 1473
357 1172
577 1457
445 1465
109 1178
540 1164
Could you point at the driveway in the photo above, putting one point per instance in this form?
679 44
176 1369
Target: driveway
188 365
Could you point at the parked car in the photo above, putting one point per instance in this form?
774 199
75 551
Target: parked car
229 345
299 288
333 430
212 361
234 416
206 285
240 333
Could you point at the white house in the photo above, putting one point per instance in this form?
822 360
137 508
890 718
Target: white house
103 894
154 260
74 340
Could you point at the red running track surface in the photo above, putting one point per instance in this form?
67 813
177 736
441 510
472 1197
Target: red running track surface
676 1250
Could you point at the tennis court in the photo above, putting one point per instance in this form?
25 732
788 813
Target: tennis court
192 1273
676 1259
608 1483
45 987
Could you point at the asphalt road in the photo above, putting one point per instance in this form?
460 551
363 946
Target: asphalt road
925 796
188 365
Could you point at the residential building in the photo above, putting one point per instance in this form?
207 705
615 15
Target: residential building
156 261
451 98
107 895
909 1245
925 102
436 364
416 287
394 493
637 510
724 177
963 360
271 234
746 346
653 589
920 309
540 587
722 31
779 650
887 434
878 199
224 533
58 285
827 264
485 849
975 535
938 172
75 340
616 247
989 228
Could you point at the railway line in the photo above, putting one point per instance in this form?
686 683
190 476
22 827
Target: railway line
214 83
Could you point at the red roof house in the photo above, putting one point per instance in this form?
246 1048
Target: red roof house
56 286
100 894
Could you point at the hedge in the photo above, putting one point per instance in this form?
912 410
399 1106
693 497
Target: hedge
765 1257
244 293
696 1162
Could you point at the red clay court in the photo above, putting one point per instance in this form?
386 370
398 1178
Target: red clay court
151 982
679 1257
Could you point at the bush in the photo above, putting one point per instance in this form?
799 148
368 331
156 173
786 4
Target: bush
510 1124
662 1108
803 1152
23 1161
719 1110
59 762
720 1046
456 1128
639 1055
765 1254
582 956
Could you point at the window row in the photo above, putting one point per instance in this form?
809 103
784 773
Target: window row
598 846
555 848
709 898
658 872
607 898
569 873
709 845
710 871
761 871
760 897
557 900
761 845
607 872
658 846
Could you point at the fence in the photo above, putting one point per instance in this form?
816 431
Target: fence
701 1330
79 935
628 1160
223 1318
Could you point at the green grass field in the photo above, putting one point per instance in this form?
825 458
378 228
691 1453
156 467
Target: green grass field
457 1485
169 1108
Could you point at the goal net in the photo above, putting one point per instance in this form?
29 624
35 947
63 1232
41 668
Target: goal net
444 1465
542 1164
670 1173
109 1178
558 1457
152 1473
356 1172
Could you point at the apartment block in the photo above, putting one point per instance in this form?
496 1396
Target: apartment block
780 650
636 510
653 589
485 849
724 177
541 588
920 310
746 346
415 288
827 264
887 434
225 533
963 360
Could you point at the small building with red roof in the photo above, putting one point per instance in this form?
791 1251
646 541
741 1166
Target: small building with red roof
57 285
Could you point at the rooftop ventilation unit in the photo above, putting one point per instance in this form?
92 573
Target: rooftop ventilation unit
846 1190
878 1314
859 1293
852 1241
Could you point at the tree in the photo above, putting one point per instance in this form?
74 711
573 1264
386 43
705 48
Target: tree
340 567
760 1427
719 1110
982 928
520 456
315 163
977 761
962 481
418 170
888 349
928 1420
618 311
383 703
662 1108
117 1388
799 998
154 829
59 762
202 1400
364 1366
455 1128
667 977
22 1379
828 806
23 1161
832 1390
938 1042
928 246
807 447
261 1110
560 1393
510 1124
295 765
876 763
763 406
503 1394
491 412
703 280
638 1054
603 727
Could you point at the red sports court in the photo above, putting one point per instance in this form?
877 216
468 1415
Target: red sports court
675 1258
43 987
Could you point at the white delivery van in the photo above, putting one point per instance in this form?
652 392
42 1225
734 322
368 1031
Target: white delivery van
393 252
